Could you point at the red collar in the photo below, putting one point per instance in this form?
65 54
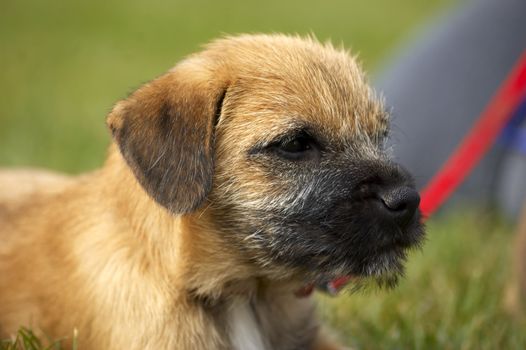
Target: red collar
331 287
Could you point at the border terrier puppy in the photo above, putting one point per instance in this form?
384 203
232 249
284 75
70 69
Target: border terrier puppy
247 173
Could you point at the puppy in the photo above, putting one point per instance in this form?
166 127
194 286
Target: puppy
243 176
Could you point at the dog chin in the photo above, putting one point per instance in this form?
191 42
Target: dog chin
385 268
382 269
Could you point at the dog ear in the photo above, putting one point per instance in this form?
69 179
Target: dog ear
165 132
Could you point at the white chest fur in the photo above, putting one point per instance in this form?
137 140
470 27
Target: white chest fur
245 330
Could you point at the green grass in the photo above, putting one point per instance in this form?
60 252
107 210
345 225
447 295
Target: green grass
25 339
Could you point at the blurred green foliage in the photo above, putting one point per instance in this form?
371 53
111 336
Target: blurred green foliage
64 63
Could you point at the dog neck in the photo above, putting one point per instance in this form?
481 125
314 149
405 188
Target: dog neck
270 319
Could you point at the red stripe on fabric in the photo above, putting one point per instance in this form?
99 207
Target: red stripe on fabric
477 142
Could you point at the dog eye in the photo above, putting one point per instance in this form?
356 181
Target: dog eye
297 148
300 144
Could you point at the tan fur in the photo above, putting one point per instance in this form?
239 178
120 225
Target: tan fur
100 254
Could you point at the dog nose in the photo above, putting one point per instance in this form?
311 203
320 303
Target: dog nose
399 203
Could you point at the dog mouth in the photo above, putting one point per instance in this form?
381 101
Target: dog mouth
372 255
355 251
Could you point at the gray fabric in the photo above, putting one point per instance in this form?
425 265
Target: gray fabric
510 187
438 86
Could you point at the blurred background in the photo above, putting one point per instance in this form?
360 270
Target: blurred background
65 63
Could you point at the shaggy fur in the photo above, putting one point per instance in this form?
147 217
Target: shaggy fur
246 172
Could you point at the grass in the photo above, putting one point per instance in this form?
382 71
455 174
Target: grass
25 339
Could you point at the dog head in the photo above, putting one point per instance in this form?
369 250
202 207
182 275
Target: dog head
282 140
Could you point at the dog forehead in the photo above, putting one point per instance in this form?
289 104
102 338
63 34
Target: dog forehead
278 78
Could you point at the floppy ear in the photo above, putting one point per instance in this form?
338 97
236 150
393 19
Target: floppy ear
165 131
